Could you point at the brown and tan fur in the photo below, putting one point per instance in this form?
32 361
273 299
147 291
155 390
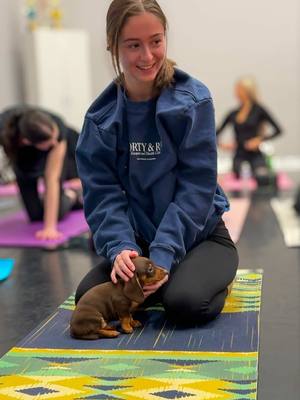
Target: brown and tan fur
108 302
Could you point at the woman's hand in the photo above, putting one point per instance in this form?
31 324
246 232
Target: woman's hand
48 234
150 289
123 266
227 146
253 144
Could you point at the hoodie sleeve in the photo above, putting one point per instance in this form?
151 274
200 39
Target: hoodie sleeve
186 216
105 203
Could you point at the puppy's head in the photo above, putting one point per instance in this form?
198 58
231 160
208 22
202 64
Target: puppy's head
146 273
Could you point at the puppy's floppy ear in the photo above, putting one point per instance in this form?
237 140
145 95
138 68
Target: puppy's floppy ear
133 290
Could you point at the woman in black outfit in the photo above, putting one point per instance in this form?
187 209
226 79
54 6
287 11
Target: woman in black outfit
39 144
248 122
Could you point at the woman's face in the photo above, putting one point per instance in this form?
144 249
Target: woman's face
241 93
46 144
142 49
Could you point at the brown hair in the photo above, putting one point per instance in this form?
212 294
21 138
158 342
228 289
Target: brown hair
118 13
29 124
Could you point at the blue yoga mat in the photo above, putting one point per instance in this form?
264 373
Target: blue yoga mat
6 266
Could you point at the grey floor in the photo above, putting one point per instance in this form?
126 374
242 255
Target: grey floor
42 280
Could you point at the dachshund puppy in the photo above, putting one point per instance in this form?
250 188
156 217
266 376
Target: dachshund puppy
108 301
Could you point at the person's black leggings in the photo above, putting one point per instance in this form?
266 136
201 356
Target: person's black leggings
28 185
260 170
70 168
197 287
33 202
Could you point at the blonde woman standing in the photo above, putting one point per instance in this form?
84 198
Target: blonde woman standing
249 121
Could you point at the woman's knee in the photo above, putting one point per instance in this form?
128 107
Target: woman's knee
190 308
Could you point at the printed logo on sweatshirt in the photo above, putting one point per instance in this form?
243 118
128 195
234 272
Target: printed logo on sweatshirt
145 151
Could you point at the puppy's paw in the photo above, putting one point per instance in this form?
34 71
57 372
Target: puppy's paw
109 333
135 323
127 329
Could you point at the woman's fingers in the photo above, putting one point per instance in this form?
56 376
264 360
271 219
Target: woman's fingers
126 258
121 274
157 284
123 266
117 271
113 276
149 289
146 294
48 234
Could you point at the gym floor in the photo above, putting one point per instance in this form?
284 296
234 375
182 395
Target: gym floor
42 280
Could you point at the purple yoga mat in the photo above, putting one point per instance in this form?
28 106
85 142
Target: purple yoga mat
16 231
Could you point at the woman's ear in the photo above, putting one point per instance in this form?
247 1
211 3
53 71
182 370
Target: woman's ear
133 290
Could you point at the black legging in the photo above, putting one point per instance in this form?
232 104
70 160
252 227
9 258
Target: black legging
70 168
257 160
28 184
33 203
197 287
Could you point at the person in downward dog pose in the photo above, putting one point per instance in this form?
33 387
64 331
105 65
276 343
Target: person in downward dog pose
39 144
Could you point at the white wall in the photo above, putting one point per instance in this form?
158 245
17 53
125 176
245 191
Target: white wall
53 60
92 19
11 89
216 41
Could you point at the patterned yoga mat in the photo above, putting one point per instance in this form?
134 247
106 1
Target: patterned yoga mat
158 361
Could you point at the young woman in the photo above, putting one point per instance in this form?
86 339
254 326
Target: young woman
147 161
39 144
248 122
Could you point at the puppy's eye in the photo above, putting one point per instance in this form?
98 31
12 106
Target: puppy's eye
150 269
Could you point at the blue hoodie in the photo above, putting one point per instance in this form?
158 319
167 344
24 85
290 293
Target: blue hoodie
149 169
